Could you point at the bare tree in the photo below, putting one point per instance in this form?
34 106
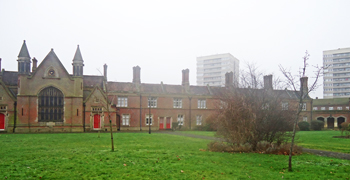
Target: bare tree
293 82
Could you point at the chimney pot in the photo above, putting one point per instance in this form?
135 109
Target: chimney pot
34 64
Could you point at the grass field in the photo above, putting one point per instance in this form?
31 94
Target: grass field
144 156
322 140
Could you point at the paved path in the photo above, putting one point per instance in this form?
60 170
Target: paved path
313 151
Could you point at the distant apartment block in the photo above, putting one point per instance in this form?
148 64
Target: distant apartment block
211 69
336 80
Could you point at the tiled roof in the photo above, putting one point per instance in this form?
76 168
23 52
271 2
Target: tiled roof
10 78
92 81
121 87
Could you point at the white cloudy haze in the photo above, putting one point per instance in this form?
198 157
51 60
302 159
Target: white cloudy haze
164 37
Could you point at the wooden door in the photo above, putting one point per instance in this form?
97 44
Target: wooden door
168 123
2 121
161 123
97 121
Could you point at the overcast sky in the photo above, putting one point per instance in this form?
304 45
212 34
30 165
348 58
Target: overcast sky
164 37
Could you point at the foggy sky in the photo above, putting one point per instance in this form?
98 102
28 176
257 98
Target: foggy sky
164 37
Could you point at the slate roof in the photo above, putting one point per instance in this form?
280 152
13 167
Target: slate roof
10 78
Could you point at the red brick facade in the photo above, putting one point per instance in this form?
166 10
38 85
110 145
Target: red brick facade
48 99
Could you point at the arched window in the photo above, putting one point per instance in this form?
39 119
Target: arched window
50 105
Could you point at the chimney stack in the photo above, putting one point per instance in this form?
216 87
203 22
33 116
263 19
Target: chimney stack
34 64
185 77
268 82
136 74
303 85
229 79
105 72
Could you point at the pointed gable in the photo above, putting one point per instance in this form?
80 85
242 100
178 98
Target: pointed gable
51 61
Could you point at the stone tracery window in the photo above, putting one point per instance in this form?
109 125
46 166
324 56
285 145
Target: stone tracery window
50 108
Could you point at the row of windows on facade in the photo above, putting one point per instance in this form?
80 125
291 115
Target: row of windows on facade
336 74
337 84
330 108
336 55
337 79
336 69
337 89
152 102
336 94
149 120
336 60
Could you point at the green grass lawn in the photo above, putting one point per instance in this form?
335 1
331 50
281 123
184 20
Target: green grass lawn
144 156
323 140
202 133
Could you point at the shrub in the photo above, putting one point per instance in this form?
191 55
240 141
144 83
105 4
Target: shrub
304 126
317 125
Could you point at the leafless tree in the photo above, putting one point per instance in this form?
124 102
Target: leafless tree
293 82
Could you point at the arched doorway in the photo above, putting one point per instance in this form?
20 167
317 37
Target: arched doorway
50 108
2 121
97 121
330 122
340 120
320 119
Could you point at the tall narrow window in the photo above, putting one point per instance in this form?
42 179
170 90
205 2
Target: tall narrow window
50 107
126 119
199 120
180 119
149 119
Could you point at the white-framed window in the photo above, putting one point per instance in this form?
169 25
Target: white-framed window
330 108
303 108
323 108
126 119
284 105
177 103
202 104
305 118
180 119
347 107
122 102
149 119
314 108
199 120
339 108
152 101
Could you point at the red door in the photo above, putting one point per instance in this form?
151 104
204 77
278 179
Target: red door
97 121
161 123
2 121
168 122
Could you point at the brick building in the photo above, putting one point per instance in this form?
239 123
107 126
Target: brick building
46 98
